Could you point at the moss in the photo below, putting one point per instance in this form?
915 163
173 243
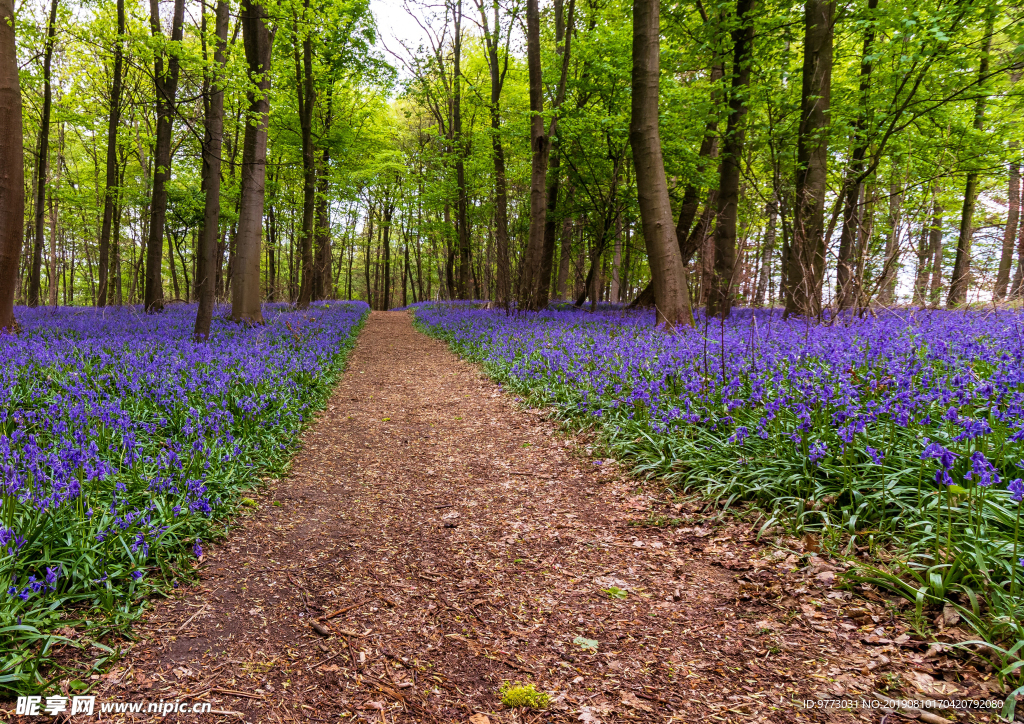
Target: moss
513 695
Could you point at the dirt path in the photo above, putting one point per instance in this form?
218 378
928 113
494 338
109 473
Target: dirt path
456 543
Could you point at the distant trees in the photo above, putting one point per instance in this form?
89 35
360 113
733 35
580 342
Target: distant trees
793 154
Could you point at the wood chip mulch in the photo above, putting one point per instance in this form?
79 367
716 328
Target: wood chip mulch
434 540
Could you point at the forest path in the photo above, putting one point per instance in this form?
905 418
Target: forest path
455 542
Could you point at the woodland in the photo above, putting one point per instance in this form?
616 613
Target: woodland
762 263
823 156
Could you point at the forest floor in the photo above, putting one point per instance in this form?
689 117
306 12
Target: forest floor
433 540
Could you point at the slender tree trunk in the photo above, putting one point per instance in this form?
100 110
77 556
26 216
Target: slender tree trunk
668 272
304 94
613 294
890 263
207 262
564 257
767 249
1010 232
323 285
935 247
166 82
807 255
389 210
497 76
720 293
845 293
530 277
461 210
258 40
563 39
53 273
960 281
35 273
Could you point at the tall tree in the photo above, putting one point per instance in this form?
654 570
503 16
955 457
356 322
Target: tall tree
305 95
462 201
110 189
166 83
497 64
322 278
563 39
34 283
539 163
258 39
671 292
845 292
206 264
720 296
807 255
12 171
960 280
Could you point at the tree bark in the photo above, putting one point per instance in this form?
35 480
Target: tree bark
563 39
807 252
206 270
960 280
890 263
258 40
935 246
12 170
1010 232
845 293
462 202
35 272
304 94
323 282
530 275
668 272
720 293
497 76
166 82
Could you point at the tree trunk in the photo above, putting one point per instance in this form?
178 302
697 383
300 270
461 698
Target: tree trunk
767 248
389 211
807 253
530 275
845 293
890 263
960 280
668 272
935 247
304 94
166 83
207 262
12 171
1010 232
564 257
461 210
563 41
245 287
35 273
323 285
720 293
504 275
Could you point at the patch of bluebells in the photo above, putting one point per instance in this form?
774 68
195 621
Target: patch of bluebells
119 431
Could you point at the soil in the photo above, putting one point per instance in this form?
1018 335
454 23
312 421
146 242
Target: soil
434 540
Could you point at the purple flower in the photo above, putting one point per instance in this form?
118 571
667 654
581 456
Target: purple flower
1016 488
197 548
876 455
